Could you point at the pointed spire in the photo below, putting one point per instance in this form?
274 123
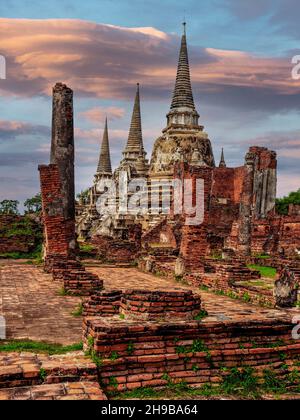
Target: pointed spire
222 161
135 138
104 165
183 95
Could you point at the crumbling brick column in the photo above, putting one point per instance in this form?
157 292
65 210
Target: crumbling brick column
58 202
258 193
194 245
57 180
245 219
62 146
59 232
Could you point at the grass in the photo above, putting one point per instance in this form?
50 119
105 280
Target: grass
268 272
78 311
37 347
263 256
238 383
202 314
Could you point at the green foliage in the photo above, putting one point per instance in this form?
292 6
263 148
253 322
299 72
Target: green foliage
84 196
43 374
282 204
195 368
246 297
26 230
241 381
87 250
262 256
9 207
78 311
34 204
238 382
113 382
92 353
272 383
114 356
268 272
37 347
202 314
62 292
130 349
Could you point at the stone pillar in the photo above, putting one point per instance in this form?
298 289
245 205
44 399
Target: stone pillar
57 181
245 219
62 145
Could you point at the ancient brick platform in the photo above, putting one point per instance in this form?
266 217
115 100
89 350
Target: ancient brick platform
153 354
145 304
160 304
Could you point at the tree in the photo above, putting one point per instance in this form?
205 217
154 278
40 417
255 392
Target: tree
84 196
34 204
9 207
282 204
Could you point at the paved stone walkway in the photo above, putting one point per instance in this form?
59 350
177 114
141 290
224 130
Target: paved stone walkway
33 309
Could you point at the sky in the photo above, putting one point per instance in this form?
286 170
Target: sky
241 69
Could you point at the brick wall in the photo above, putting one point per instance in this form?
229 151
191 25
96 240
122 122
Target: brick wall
196 353
59 231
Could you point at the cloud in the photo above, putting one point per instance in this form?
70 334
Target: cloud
98 114
11 130
106 61
250 10
282 16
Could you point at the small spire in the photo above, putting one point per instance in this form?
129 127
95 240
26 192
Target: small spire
104 165
135 138
222 161
183 95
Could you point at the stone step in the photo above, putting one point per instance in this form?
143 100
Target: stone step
60 391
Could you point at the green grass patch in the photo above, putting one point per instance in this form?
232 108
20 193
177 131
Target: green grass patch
78 311
38 347
202 314
268 272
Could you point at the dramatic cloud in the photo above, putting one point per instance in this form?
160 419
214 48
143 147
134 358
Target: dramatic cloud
98 115
106 61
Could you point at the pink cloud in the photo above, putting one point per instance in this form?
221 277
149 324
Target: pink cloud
9 130
106 61
98 115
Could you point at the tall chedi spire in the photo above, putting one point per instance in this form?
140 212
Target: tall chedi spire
104 165
134 153
183 139
183 110
222 161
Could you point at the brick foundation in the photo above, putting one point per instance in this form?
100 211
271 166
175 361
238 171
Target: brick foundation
60 243
144 304
160 304
154 354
